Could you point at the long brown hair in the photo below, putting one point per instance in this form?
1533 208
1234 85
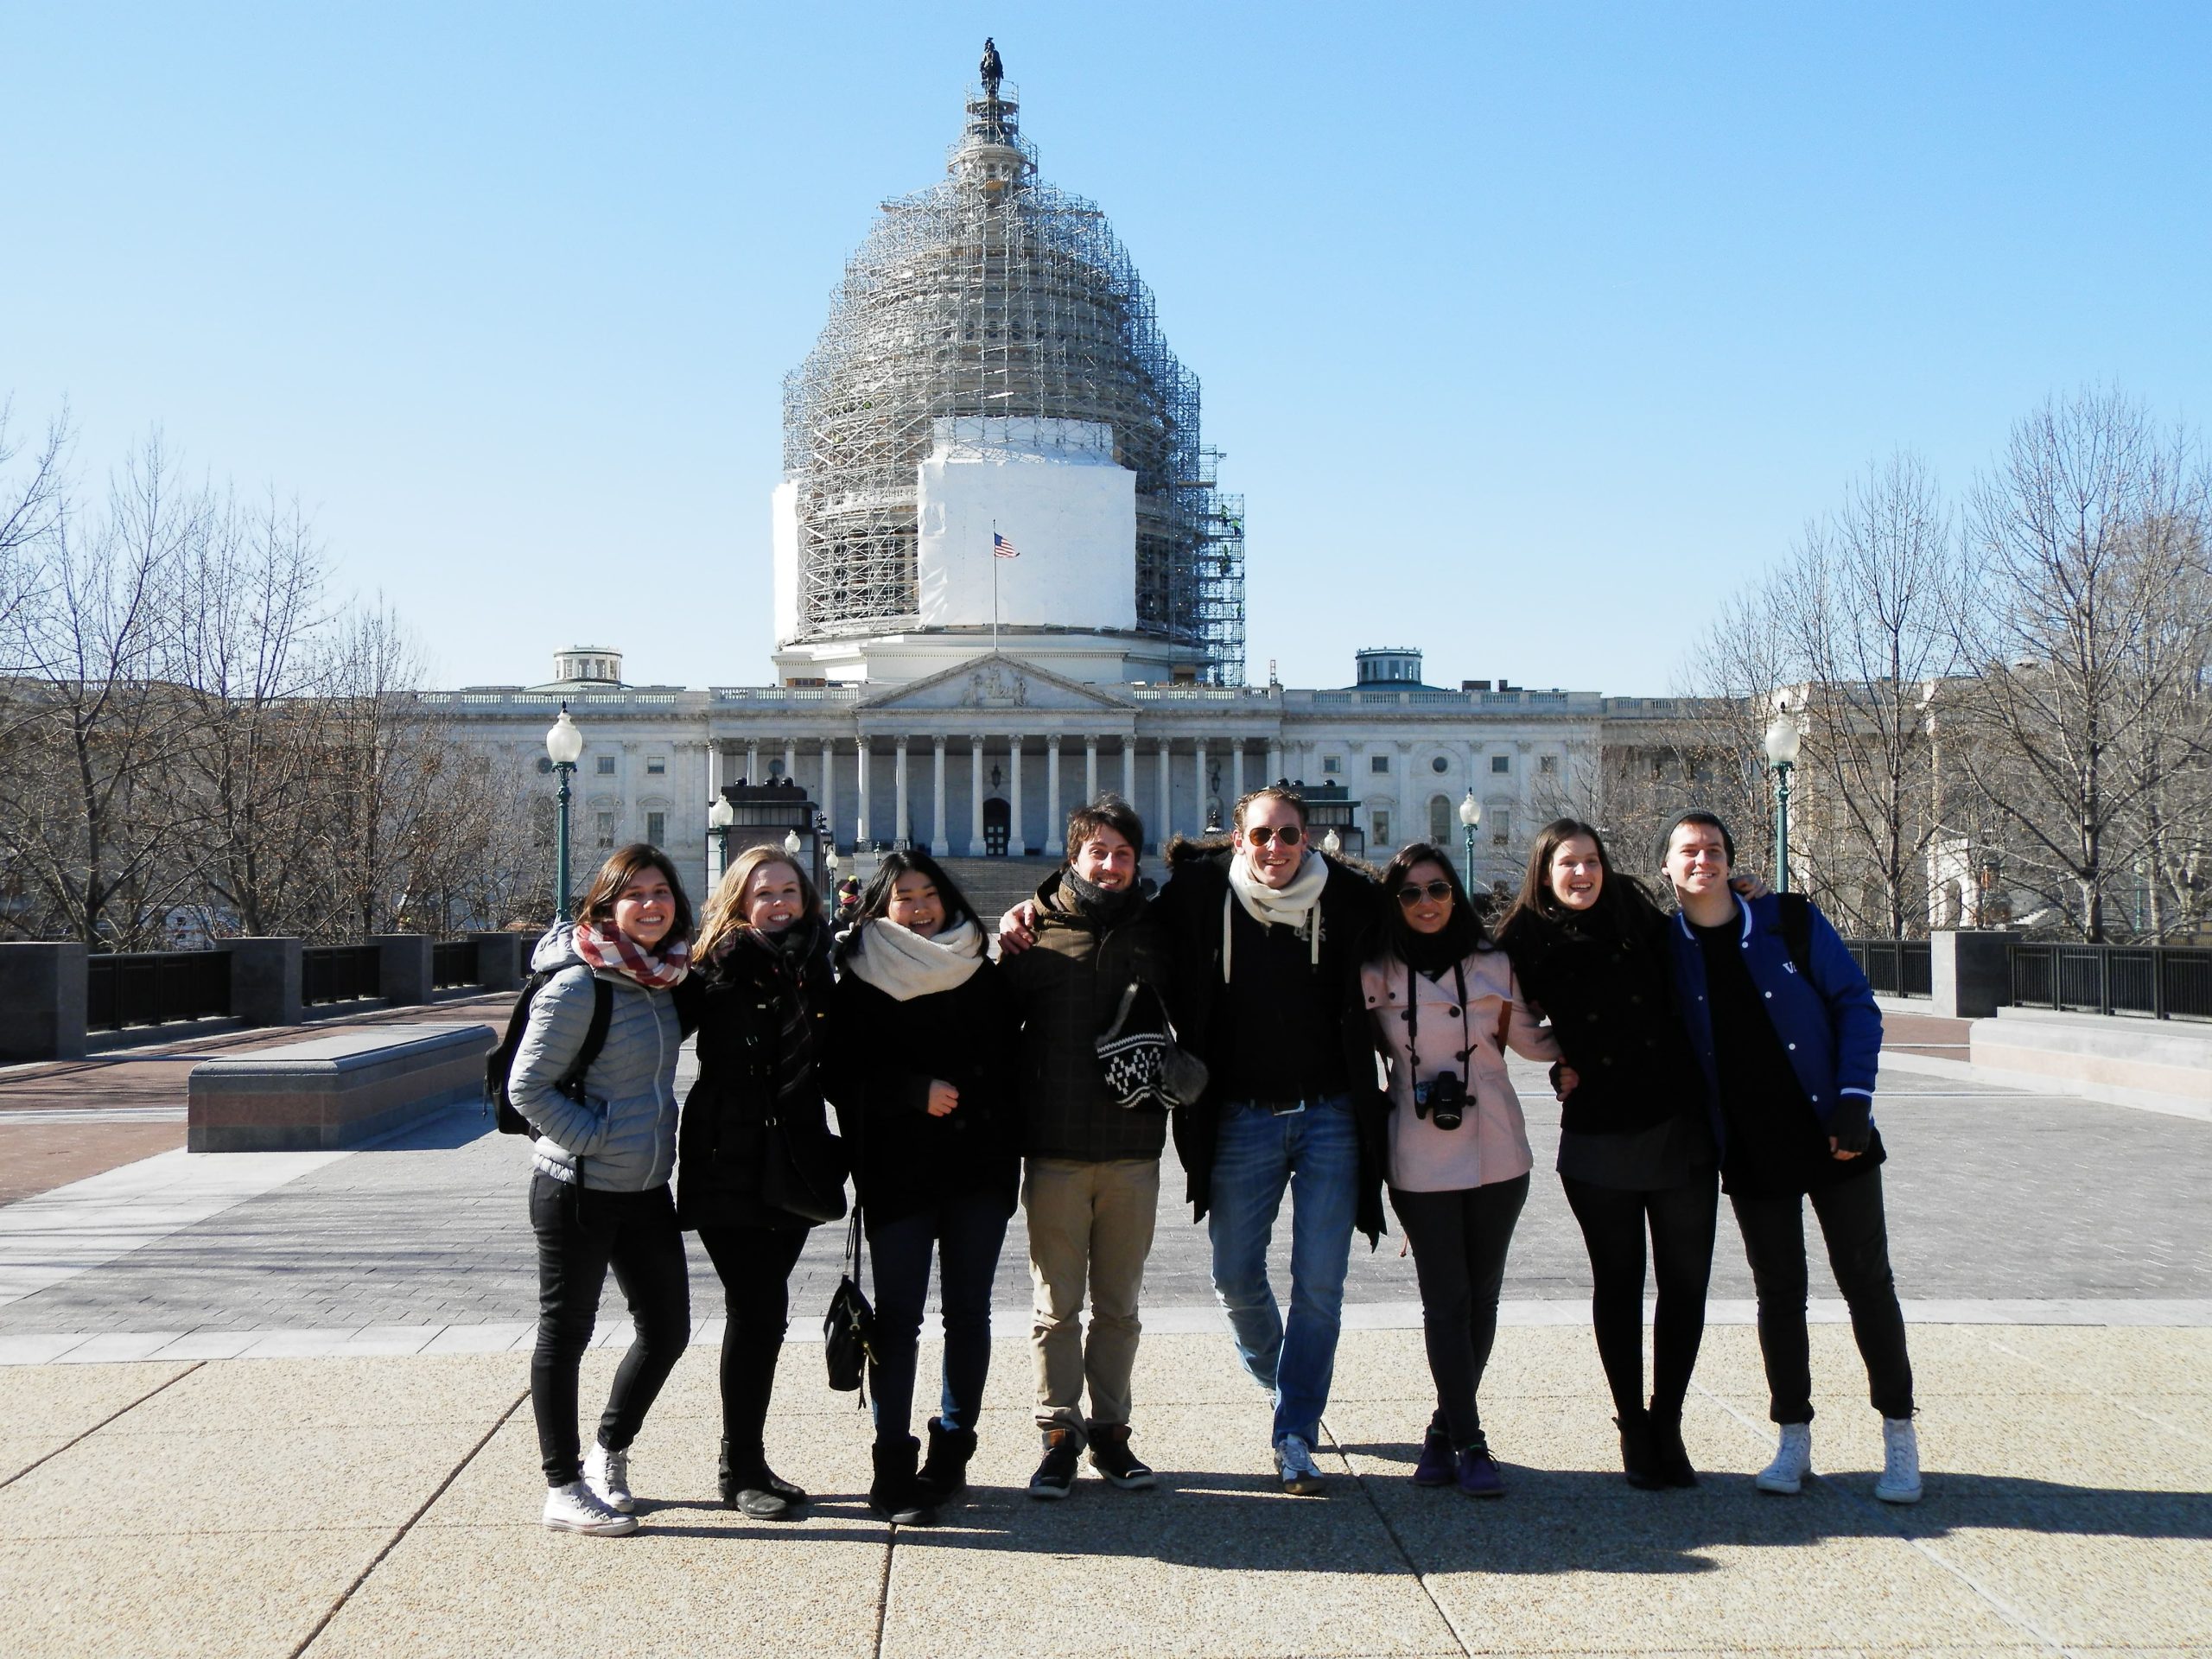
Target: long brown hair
1623 906
725 913
624 866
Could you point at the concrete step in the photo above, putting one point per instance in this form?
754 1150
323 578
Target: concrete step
993 886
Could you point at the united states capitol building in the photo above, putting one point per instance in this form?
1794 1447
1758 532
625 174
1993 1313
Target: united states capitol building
1005 578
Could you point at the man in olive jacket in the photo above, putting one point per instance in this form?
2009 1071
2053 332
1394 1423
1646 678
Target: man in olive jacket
1090 1183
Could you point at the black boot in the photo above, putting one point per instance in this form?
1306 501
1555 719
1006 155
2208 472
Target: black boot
1639 1461
944 1472
1670 1458
748 1485
894 1495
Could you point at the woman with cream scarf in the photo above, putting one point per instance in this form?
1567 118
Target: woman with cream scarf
924 1038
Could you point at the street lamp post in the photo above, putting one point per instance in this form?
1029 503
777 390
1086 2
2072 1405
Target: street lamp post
1471 815
564 747
792 844
1782 738
720 817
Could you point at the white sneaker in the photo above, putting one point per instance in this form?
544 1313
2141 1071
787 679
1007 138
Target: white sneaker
1793 1461
1900 1481
576 1507
1295 1463
608 1473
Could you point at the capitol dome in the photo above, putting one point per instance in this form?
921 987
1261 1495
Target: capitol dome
993 372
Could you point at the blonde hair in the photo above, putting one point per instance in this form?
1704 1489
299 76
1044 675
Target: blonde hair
724 913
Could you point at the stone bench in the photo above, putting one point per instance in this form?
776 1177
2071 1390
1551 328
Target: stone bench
335 1091
2165 1065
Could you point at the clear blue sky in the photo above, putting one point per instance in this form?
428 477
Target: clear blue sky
1528 330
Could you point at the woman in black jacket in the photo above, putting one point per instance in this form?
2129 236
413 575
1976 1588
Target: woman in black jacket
763 958
1636 1149
925 1038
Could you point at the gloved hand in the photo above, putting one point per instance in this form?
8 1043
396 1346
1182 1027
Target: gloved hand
1851 1127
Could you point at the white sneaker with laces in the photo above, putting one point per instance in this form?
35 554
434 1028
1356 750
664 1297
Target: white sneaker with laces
1295 1463
1900 1481
608 1474
576 1507
1793 1461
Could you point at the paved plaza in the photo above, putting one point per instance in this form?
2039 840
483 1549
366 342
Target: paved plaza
275 1404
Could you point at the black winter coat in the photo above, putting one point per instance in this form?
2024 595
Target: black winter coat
722 1137
1611 1001
1190 909
885 1053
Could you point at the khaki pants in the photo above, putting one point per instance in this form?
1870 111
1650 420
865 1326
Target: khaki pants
1090 1222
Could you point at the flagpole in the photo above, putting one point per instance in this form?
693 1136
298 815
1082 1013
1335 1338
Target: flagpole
994 586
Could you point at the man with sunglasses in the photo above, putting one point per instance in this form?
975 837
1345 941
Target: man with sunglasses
1265 935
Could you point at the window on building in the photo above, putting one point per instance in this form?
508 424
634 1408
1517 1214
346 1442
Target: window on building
603 829
1547 764
656 766
1500 819
1381 819
656 828
1332 766
1440 762
1501 763
607 765
1378 763
1440 816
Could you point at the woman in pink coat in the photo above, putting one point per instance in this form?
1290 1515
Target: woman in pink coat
1446 1006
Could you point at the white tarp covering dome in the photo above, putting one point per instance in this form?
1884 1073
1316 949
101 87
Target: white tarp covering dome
994 297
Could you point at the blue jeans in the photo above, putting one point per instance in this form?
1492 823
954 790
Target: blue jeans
968 1232
1315 1154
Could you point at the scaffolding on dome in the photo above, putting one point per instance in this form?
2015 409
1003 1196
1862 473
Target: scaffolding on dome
993 295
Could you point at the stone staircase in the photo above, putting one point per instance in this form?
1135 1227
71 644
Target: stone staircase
995 886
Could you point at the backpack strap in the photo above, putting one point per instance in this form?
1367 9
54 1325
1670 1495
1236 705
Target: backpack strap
1797 930
602 1014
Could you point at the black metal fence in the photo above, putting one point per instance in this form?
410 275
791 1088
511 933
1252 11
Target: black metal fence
339 973
2166 981
1895 967
453 962
152 987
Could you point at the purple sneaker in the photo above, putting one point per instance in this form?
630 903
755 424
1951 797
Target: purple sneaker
1479 1475
1437 1466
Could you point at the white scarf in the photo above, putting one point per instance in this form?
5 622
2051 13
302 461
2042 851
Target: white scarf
1298 906
903 965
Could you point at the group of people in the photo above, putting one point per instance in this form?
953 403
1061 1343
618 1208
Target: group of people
1304 1028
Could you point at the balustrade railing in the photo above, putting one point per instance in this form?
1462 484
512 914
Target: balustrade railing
339 973
153 987
453 962
1895 967
2165 981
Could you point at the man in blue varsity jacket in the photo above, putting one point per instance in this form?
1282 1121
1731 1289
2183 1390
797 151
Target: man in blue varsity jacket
1787 1030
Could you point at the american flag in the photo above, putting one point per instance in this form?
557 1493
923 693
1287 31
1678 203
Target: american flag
1003 547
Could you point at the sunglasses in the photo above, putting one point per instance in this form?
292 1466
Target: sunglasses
1412 892
1261 833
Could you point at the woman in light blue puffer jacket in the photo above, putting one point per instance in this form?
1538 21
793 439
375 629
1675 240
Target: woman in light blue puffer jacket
599 1192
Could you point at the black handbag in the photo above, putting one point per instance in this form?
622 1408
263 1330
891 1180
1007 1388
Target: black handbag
849 1328
802 1174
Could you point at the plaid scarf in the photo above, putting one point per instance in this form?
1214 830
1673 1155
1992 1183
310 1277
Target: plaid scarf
610 948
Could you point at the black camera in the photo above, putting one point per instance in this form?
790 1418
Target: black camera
1443 1099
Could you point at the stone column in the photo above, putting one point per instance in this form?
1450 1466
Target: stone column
1198 750
752 762
1970 973
1165 825
499 960
42 1001
975 800
265 982
1017 843
1235 774
938 846
1090 769
900 831
790 761
403 967
1274 762
829 793
1129 769
1053 820
859 834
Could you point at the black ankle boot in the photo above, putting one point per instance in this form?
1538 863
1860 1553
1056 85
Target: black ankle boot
894 1495
1670 1458
749 1486
944 1472
1639 1461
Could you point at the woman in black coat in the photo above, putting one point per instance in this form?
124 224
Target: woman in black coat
763 962
924 1035
1636 1149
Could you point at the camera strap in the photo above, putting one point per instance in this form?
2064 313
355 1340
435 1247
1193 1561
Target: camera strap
1413 1022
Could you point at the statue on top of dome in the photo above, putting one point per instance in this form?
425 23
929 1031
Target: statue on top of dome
993 71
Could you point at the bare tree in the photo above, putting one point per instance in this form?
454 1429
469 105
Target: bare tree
2075 539
1745 660
31 503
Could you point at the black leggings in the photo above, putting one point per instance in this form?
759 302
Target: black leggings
755 1265
1459 1241
1857 1235
1681 1219
580 1236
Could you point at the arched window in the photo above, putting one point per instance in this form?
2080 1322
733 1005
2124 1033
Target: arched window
1440 816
